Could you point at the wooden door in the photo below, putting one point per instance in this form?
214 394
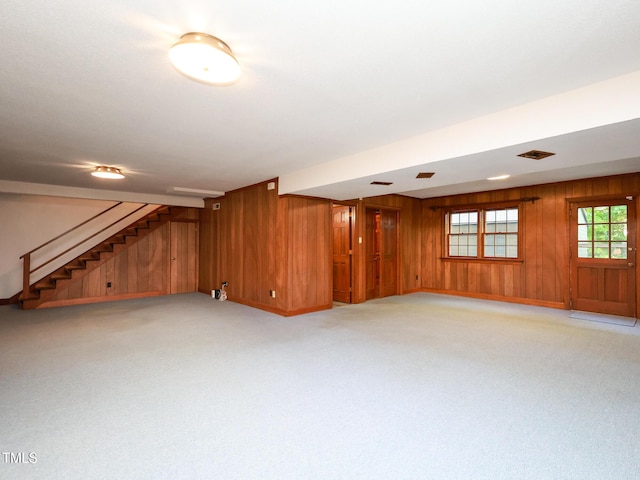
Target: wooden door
603 256
372 254
381 253
184 257
388 253
342 250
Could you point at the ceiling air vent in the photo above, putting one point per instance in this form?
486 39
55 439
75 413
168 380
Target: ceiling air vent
381 183
425 174
536 154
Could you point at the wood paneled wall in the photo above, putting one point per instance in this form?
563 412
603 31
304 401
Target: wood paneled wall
542 275
306 253
261 243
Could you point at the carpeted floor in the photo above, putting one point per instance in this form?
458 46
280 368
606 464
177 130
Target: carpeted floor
414 387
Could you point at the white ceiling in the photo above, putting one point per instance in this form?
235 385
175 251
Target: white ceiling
334 94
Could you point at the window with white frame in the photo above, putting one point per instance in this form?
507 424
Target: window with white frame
483 233
463 234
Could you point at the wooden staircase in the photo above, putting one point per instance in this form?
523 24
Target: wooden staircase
46 288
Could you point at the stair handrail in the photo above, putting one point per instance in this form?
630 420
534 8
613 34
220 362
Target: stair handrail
73 228
26 258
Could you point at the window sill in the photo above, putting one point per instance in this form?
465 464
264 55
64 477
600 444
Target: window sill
514 261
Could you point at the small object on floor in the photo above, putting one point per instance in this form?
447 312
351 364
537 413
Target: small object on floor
221 293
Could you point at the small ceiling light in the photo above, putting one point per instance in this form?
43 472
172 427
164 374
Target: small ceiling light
107 172
205 59
499 177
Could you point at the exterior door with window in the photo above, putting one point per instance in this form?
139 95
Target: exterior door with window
603 257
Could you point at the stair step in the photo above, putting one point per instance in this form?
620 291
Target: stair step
60 276
75 267
28 297
44 286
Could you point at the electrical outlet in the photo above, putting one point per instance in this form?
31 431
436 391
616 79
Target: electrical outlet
272 293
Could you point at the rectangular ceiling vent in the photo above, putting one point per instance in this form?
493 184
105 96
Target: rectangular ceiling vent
536 154
425 174
382 183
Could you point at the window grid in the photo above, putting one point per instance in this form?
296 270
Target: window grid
490 233
463 234
602 232
501 233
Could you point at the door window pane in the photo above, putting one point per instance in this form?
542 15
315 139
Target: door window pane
585 232
601 214
619 214
602 232
618 249
601 249
619 232
585 250
585 215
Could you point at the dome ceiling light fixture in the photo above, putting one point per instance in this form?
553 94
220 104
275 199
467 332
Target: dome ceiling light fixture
107 172
205 59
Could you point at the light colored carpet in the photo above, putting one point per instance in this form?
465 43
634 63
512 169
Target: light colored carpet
414 387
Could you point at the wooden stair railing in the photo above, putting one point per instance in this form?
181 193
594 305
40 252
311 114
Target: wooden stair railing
63 273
